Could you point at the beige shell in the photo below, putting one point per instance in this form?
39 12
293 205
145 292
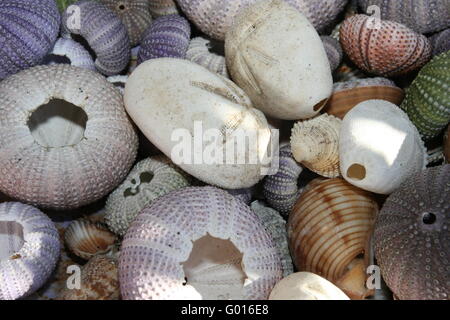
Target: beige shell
162 7
306 286
315 144
99 281
86 239
329 228
200 52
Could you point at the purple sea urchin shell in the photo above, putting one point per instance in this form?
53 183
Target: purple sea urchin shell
281 190
423 16
440 42
103 31
29 249
158 251
20 45
245 194
334 51
134 14
65 138
74 52
412 238
167 37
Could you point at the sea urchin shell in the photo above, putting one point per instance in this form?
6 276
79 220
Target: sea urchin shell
70 52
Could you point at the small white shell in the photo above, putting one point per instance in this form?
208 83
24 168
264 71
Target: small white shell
379 147
315 144
199 52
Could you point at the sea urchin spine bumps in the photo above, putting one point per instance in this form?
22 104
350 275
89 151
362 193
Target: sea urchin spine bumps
22 47
65 139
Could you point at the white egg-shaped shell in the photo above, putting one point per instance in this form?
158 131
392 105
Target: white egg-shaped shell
276 56
306 286
379 147
175 102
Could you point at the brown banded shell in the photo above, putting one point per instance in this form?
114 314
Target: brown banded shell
347 95
315 144
329 228
86 239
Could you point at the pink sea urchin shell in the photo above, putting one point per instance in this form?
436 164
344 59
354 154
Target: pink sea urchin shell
29 249
194 243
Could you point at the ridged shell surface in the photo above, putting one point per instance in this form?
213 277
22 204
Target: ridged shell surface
275 225
334 51
161 239
306 286
149 180
281 189
162 7
199 52
412 239
186 101
87 239
73 150
77 55
29 250
104 32
427 100
167 37
22 47
135 15
315 144
424 16
99 281
330 226
440 42
215 17
346 95
276 71
379 147
383 47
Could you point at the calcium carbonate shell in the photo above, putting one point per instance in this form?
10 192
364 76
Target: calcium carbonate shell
379 147
172 97
157 248
276 56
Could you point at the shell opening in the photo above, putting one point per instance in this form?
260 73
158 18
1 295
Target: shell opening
58 124
144 177
217 47
214 269
429 218
320 105
56 59
81 40
11 239
356 172
121 6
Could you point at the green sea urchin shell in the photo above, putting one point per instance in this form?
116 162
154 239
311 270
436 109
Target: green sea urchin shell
427 101
150 179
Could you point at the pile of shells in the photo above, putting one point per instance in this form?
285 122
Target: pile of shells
211 149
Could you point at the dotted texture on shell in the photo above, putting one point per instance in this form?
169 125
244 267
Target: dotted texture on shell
167 37
30 267
427 100
134 14
104 32
22 47
161 238
68 176
423 16
382 47
67 48
162 7
412 238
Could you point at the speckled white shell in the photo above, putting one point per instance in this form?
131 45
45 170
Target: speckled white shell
161 239
276 56
75 52
378 136
32 251
306 286
184 96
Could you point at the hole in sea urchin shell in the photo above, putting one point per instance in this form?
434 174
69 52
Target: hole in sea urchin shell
11 238
214 269
58 124
356 172
144 177
428 218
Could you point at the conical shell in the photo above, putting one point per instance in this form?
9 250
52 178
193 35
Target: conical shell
379 147
315 144
150 179
199 52
198 243
29 249
330 227
346 95
427 100
383 47
306 286
87 239
412 238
